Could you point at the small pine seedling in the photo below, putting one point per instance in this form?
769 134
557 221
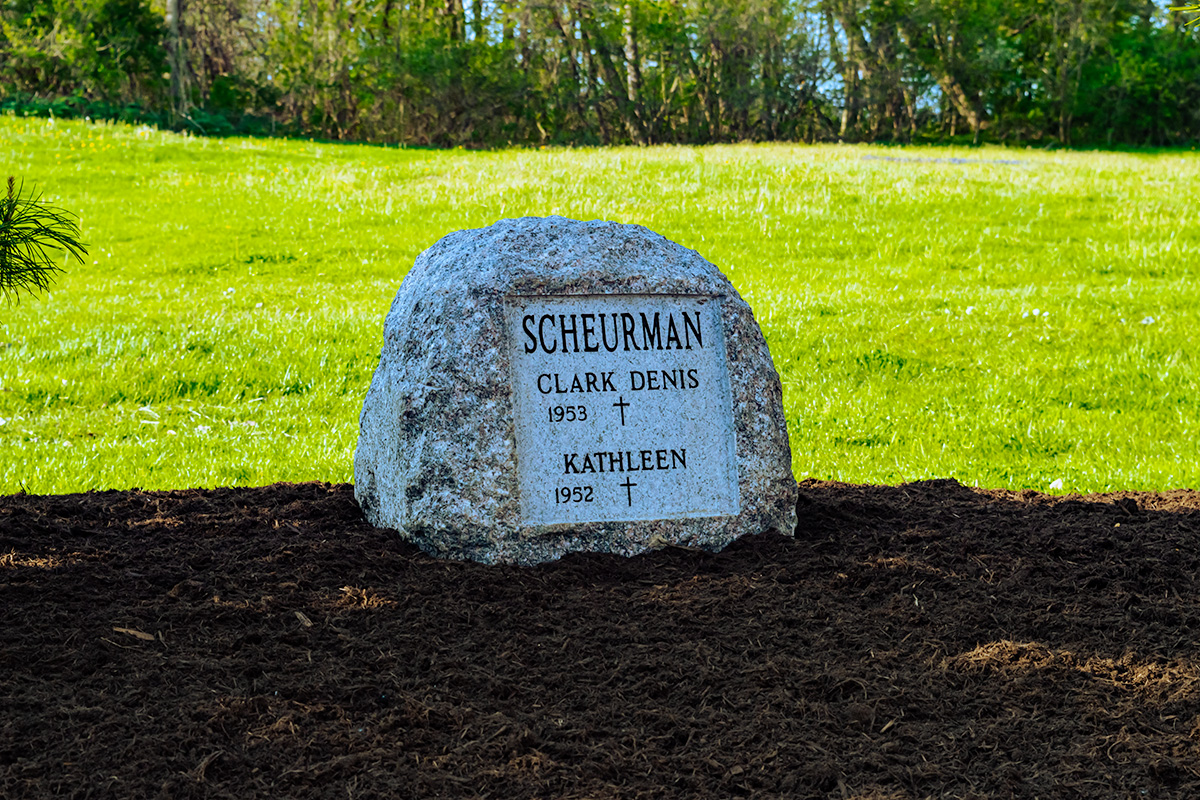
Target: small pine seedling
31 233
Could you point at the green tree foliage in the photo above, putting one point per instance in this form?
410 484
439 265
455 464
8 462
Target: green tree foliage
487 72
101 49
32 237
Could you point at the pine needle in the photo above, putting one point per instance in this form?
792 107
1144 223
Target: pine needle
32 235
1190 8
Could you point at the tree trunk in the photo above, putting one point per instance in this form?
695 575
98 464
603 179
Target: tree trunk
593 80
452 11
477 20
633 69
860 70
633 76
576 81
970 110
612 78
178 60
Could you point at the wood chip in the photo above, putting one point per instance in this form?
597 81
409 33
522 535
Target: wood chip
304 620
145 637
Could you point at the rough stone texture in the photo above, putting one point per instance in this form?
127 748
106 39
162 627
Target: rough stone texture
436 457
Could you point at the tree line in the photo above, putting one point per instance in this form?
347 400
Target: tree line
492 72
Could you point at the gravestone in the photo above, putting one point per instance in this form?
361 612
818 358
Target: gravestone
549 386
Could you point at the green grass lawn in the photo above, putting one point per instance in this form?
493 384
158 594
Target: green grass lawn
1006 324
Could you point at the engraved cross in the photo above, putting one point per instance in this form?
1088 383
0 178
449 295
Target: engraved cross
628 484
622 405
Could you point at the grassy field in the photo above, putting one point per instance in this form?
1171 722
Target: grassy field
1009 318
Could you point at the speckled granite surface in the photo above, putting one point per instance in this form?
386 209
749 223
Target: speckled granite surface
437 451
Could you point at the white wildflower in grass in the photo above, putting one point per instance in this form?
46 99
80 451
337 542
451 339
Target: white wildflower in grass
970 309
1147 321
1057 484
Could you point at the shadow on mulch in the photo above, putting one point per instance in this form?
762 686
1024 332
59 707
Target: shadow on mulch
911 641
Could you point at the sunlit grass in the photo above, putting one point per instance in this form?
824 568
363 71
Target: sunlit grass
1006 324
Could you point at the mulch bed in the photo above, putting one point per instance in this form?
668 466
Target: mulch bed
925 640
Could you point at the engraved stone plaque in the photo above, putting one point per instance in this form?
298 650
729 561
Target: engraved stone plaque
550 386
623 408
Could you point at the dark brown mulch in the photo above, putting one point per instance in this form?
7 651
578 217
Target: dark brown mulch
925 640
